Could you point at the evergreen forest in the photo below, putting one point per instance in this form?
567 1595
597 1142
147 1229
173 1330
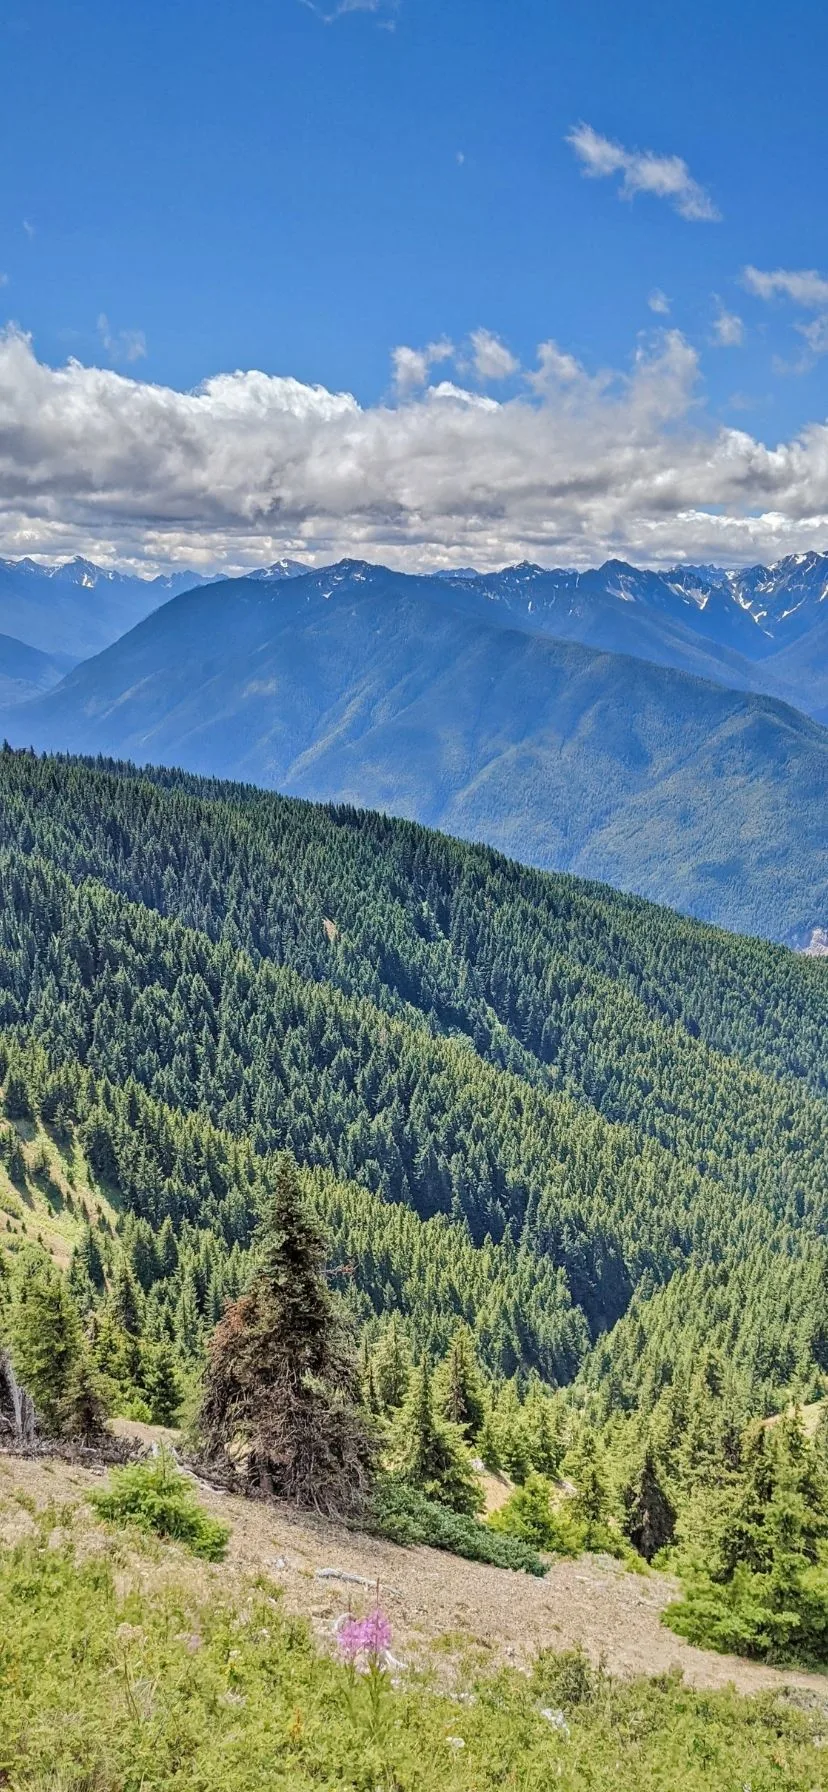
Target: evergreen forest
551 1158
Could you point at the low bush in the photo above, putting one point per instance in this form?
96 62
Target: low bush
403 1514
156 1497
757 1614
533 1515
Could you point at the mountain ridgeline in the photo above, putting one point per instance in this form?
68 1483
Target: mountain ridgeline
593 1130
78 608
453 702
760 628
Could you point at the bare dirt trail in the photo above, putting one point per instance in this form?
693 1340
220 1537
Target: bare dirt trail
442 1609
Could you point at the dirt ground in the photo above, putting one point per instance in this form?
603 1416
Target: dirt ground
442 1609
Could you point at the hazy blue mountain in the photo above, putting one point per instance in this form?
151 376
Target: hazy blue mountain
802 666
26 672
761 629
79 608
735 627
627 610
403 693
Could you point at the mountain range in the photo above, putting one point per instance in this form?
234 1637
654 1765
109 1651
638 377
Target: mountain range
733 621
448 701
79 608
759 628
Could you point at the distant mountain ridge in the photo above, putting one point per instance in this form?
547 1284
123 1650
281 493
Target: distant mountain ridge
26 672
447 703
758 628
79 608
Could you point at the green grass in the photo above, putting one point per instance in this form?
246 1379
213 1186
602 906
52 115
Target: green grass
176 1686
55 1198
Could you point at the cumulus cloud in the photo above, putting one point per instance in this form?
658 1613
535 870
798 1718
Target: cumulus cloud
728 329
804 285
642 171
492 359
250 466
659 302
412 365
121 345
555 368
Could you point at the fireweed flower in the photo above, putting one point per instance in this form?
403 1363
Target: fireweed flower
369 1636
363 1646
349 1638
376 1633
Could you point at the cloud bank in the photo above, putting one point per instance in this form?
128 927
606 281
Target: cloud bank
642 171
250 466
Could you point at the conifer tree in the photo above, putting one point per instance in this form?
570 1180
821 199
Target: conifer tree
161 1382
82 1408
87 1256
17 1100
391 1366
48 1349
282 1387
428 1450
591 1500
125 1300
458 1389
511 1433
649 1514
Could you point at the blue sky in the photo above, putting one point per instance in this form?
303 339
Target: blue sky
190 189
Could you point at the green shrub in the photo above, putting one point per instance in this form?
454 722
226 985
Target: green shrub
531 1514
403 1514
566 1678
156 1497
753 1614
528 1513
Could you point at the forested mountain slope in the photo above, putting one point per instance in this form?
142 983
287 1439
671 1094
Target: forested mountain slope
406 694
602 1101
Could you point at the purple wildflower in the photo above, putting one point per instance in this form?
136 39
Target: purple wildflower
369 1636
349 1638
377 1633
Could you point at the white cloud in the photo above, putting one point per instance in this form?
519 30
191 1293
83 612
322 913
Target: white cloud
642 171
4 279
413 365
805 286
29 229
815 334
728 329
659 302
121 345
386 10
555 368
250 466
491 358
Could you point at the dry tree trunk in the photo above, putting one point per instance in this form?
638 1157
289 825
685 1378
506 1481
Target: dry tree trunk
17 1413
